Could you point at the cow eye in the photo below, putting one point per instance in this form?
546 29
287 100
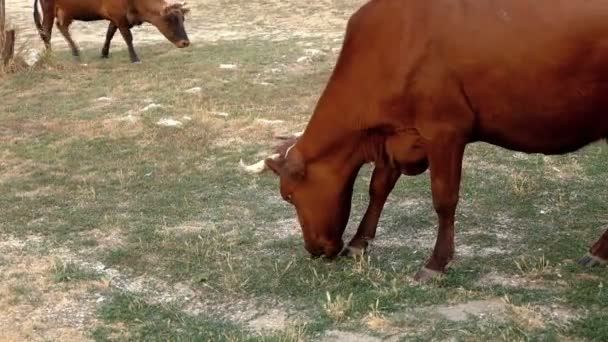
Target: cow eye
288 198
172 19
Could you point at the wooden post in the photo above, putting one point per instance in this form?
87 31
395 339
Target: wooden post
2 24
8 50
7 38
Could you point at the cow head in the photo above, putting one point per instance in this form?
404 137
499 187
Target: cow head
321 193
168 16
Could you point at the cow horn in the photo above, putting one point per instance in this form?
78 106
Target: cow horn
287 137
185 9
258 167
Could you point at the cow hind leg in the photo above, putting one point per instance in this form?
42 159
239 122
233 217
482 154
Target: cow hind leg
105 51
128 37
382 183
47 23
64 27
445 159
598 254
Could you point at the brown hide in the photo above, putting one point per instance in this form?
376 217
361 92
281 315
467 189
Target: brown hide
417 81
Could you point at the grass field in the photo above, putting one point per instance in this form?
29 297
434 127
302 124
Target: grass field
115 228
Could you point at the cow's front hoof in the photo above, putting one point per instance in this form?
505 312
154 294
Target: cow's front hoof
136 62
426 275
105 55
353 252
590 260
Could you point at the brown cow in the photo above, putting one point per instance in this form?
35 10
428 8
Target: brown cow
166 15
417 81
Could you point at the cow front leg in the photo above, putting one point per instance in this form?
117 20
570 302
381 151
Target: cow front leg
382 183
598 254
105 52
128 37
64 27
445 159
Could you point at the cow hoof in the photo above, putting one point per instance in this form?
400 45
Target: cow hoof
105 56
353 252
426 274
590 260
136 62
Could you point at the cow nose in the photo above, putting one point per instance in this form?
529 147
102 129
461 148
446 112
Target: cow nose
315 251
183 43
329 250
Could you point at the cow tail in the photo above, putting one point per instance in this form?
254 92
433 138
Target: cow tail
37 19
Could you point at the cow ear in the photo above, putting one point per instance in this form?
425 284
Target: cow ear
275 165
185 10
295 167
166 10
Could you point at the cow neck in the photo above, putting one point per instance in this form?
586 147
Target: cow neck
326 132
337 117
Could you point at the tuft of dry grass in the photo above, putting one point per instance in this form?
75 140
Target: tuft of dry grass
375 320
533 267
521 184
338 308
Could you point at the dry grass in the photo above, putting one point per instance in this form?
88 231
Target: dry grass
338 308
533 267
45 310
375 320
522 185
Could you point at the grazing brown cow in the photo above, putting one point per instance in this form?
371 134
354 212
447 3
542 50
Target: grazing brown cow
417 81
166 15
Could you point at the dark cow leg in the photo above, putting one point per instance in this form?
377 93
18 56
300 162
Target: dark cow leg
445 160
105 52
47 22
382 183
598 254
64 28
128 37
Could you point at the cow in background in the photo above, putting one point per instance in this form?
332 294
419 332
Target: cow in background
167 16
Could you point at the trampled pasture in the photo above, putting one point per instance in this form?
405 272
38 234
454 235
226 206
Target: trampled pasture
125 215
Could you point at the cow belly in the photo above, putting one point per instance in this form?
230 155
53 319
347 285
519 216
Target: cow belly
89 17
543 108
79 10
557 134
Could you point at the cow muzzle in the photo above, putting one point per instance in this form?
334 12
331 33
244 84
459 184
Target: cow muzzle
326 249
182 43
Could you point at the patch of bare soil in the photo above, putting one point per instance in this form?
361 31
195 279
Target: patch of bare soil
531 281
257 315
477 308
493 309
35 308
13 167
340 336
513 281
